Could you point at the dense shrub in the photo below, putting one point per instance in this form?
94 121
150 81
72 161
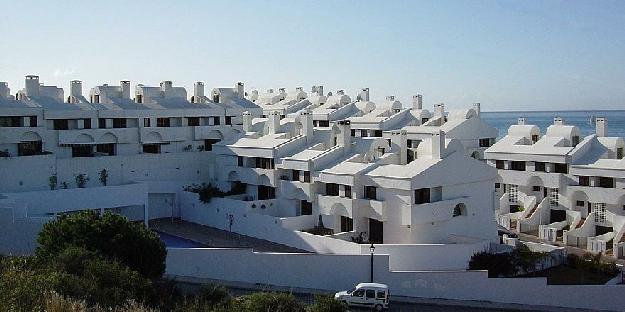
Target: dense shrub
592 263
108 235
327 304
521 260
207 191
262 302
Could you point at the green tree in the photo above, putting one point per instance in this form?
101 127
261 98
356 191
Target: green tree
109 235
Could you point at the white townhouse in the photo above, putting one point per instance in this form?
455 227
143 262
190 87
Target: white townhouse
113 138
560 186
362 183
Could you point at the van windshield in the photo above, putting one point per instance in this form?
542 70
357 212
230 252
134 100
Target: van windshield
351 290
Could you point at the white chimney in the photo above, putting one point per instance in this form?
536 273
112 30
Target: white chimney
125 84
601 124
299 89
240 90
247 121
32 85
344 138
282 90
364 95
390 98
5 92
306 119
477 108
438 144
166 86
318 90
270 90
198 92
558 121
439 110
340 92
401 139
522 121
417 101
273 122
75 91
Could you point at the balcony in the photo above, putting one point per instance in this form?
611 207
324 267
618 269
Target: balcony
432 212
335 205
164 134
297 190
549 179
595 194
112 135
207 132
254 176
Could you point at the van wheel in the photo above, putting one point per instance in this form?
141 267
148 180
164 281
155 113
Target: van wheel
378 308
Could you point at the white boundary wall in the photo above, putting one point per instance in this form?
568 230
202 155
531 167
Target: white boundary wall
341 272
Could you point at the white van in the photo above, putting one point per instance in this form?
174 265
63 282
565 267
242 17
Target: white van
372 295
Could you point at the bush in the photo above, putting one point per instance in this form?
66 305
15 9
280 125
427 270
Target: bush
208 191
22 287
109 235
498 265
263 302
592 263
327 304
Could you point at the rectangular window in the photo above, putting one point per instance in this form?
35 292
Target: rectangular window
377 133
497 185
107 149
152 148
575 140
162 122
535 138
332 189
307 176
422 196
102 123
324 123
370 192
619 153
348 191
193 121
518 165
82 150
295 175
370 293
306 207
86 123
347 224
240 161
485 142
536 188
584 181
29 148
216 121
61 124
146 122
208 144
33 122
540 166
364 133
499 164
606 182
229 120
560 168
579 203
119 122
353 132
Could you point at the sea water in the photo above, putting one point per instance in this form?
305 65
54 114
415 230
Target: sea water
582 119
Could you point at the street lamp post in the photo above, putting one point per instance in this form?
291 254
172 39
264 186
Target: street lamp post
371 250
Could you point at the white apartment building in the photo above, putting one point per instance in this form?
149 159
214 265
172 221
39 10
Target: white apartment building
157 135
385 173
562 187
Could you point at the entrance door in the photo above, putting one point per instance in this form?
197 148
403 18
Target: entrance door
376 230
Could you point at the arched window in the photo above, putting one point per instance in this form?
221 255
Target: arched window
460 210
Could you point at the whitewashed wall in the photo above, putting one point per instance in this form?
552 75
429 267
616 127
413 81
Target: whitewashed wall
341 272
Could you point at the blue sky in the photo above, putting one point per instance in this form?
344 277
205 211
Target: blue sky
508 55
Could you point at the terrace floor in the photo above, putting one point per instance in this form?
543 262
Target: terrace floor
213 237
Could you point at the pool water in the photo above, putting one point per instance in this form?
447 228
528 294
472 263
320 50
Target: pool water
178 242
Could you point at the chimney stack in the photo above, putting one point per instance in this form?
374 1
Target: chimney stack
198 92
5 92
364 95
344 138
273 122
247 121
558 121
75 91
401 139
438 144
477 108
306 118
318 90
125 84
32 85
166 86
439 110
417 101
601 124
340 92
240 90
522 121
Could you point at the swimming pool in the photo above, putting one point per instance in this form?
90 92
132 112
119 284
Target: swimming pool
178 242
